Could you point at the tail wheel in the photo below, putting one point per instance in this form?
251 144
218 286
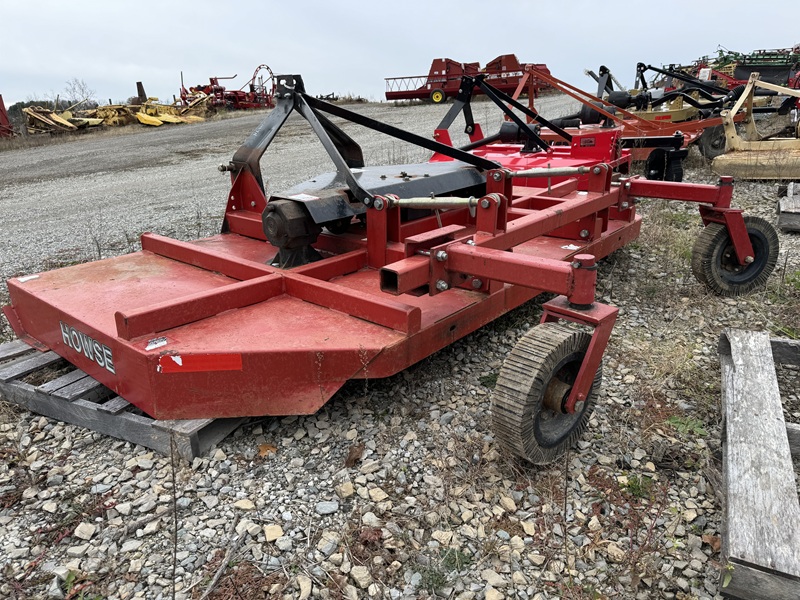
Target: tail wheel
438 96
712 141
714 261
674 171
534 382
655 167
663 166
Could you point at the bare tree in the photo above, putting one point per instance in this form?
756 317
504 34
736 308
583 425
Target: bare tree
77 90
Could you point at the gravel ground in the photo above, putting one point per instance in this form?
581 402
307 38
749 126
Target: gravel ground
396 488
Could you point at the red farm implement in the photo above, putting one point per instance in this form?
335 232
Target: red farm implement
644 134
259 92
6 130
366 270
444 78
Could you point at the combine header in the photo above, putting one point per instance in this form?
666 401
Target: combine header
362 272
444 78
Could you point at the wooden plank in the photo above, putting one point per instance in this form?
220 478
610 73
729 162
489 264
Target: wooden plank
762 513
27 365
115 418
201 434
114 406
793 435
187 426
121 426
63 381
86 388
747 583
786 351
215 432
789 213
13 349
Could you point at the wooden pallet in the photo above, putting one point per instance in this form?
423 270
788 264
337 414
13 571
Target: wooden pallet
761 523
72 396
789 208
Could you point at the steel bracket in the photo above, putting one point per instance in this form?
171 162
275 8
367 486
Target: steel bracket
601 317
733 220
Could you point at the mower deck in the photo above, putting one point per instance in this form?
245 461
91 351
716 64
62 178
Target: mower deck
209 329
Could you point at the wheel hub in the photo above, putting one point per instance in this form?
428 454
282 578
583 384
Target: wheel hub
556 395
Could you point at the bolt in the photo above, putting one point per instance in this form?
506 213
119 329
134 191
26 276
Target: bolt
575 264
252 204
441 285
748 260
378 203
484 203
470 242
584 233
441 256
596 170
627 185
624 205
497 176
477 284
579 407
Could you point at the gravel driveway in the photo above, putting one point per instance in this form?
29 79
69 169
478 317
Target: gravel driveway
396 488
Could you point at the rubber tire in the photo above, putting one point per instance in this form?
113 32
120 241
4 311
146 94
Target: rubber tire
674 170
521 423
712 142
714 260
655 167
438 96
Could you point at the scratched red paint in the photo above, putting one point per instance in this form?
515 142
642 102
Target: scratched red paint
196 363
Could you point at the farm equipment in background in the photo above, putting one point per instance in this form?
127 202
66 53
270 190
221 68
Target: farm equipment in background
694 100
6 130
259 92
733 69
661 162
44 120
754 156
444 78
361 272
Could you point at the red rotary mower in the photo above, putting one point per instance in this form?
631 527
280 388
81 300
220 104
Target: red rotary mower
361 272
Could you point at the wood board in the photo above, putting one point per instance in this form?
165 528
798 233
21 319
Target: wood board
74 397
761 517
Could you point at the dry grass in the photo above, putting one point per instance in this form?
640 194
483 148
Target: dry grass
241 580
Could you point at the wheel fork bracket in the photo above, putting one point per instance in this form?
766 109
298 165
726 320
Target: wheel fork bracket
599 316
733 220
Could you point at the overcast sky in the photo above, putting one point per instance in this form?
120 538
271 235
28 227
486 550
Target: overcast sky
350 47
